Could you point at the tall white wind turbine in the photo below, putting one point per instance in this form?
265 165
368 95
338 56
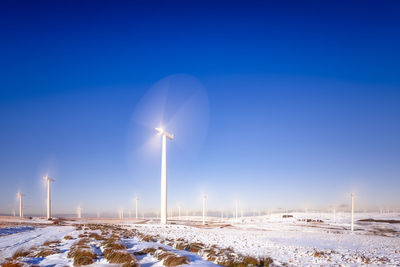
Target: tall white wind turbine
204 209
352 212
236 210
137 199
164 135
79 212
48 180
21 209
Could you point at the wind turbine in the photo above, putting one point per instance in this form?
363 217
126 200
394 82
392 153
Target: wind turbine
236 210
204 209
164 135
136 199
21 210
79 211
352 212
179 211
46 178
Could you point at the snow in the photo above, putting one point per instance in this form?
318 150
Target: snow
288 240
291 241
9 244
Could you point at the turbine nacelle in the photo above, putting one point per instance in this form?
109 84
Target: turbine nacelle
161 131
47 178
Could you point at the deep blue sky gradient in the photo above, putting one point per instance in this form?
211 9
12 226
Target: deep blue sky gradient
304 101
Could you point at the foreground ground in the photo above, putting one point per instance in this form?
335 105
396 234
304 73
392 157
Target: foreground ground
297 239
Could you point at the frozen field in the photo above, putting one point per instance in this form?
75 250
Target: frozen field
301 240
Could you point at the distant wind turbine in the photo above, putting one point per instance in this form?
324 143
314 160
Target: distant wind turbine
46 178
164 135
79 211
204 209
236 210
136 199
352 212
21 210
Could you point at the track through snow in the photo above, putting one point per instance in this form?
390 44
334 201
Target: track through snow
9 244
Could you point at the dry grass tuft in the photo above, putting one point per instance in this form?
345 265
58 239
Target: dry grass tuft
181 246
96 236
119 256
318 254
251 261
195 247
84 257
266 261
68 237
12 264
46 252
225 262
114 252
20 253
49 243
148 238
79 245
130 264
113 244
148 250
175 260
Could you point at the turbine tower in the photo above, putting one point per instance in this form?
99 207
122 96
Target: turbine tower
46 178
352 212
79 211
204 209
21 210
164 135
236 210
136 199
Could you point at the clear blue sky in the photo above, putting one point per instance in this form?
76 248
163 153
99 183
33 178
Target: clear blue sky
304 101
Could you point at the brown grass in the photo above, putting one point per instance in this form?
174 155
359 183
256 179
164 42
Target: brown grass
148 238
84 257
79 245
12 264
365 260
68 237
148 250
130 264
181 246
118 256
48 243
113 244
46 252
266 261
225 262
318 254
96 236
162 254
195 247
20 253
175 260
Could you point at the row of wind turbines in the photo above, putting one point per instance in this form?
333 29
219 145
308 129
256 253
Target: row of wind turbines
164 134
48 200
163 210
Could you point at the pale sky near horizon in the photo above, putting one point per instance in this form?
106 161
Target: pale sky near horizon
282 105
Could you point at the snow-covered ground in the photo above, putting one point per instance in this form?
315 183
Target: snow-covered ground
302 240
295 241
